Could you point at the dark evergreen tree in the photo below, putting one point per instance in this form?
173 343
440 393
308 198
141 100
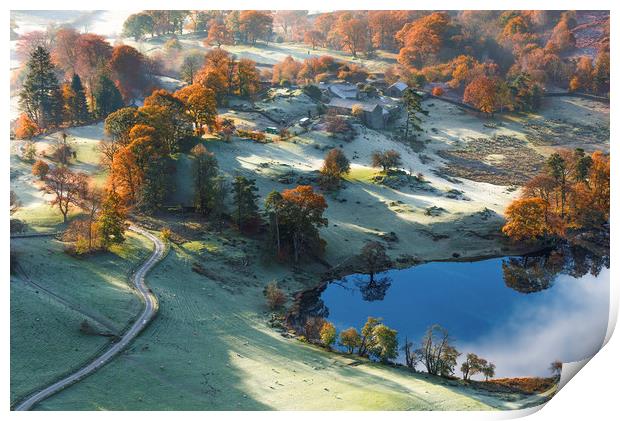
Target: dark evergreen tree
40 97
106 97
413 107
78 106
245 200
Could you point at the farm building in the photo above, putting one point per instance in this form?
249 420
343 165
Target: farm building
373 113
396 90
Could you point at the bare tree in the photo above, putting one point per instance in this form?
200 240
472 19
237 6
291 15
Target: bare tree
66 187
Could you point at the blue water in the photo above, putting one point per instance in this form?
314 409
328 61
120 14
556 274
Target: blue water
522 333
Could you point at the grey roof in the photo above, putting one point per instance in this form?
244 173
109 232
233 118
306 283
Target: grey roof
344 90
349 103
400 85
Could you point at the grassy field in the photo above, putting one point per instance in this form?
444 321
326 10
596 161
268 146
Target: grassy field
210 348
53 293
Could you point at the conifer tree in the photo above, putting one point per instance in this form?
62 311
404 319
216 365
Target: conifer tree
78 106
413 107
106 97
40 97
244 199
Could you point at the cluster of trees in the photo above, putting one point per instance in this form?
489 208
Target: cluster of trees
102 222
436 352
225 75
142 140
294 217
222 26
375 339
316 69
572 192
72 78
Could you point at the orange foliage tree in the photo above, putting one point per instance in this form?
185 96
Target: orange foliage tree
422 39
25 128
525 219
200 105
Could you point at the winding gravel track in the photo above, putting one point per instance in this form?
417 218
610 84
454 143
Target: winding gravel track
150 309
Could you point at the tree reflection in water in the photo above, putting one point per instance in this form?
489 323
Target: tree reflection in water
536 273
373 289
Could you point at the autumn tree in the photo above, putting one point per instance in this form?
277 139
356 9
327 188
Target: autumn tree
25 128
314 38
247 78
111 220
286 71
245 200
367 337
64 51
384 343
40 169
384 24
334 167
130 71
601 73
352 32
255 25
200 105
328 334
93 54
525 219
126 175
387 160
301 216
422 39
119 123
336 124
562 39
350 339
65 186
582 78
218 35
488 94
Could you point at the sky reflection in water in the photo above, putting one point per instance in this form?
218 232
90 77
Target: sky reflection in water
521 333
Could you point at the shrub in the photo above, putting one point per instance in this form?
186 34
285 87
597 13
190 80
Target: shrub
275 296
165 234
322 77
357 110
30 152
437 91
40 169
251 134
